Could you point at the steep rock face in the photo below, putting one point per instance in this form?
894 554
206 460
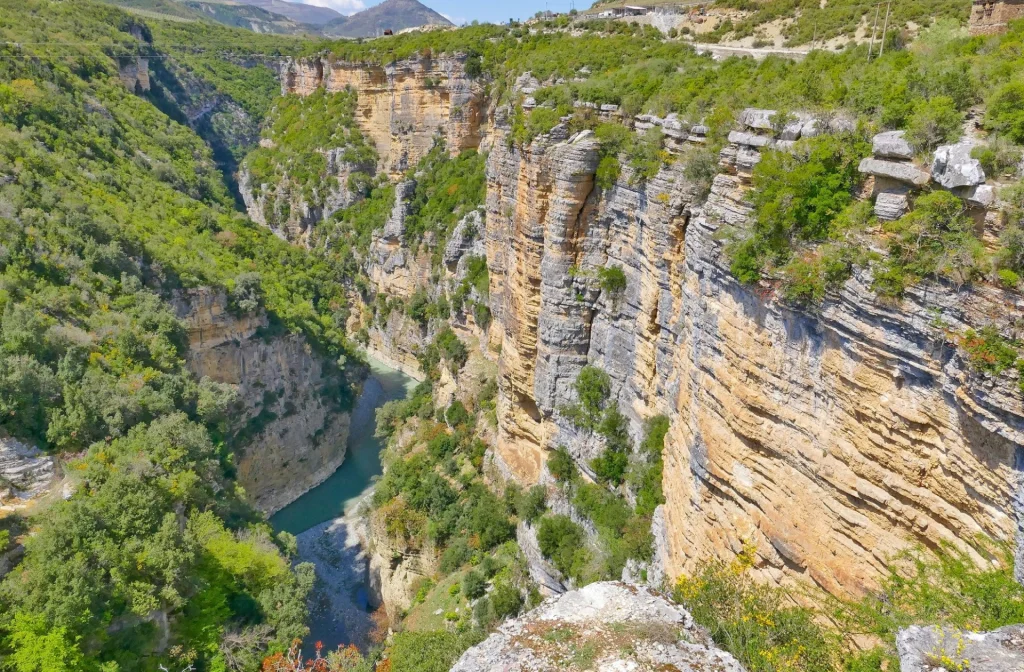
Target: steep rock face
396 569
627 628
830 441
294 436
402 106
25 474
282 208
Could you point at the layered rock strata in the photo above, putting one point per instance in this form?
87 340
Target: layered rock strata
829 440
294 435
25 473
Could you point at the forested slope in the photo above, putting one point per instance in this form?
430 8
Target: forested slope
107 207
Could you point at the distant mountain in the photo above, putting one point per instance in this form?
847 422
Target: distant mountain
229 13
393 15
256 19
308 14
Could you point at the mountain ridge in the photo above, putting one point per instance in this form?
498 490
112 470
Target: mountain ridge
394 15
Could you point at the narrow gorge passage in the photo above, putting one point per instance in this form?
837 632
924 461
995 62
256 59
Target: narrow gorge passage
330 526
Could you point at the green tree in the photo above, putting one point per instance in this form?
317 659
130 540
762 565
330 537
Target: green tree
934 122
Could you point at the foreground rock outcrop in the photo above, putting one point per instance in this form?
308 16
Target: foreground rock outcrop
934 649
292 431
619 627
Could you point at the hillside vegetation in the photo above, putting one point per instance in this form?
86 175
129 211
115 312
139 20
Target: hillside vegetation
106 207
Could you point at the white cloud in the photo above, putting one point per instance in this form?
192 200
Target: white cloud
346 7
457 20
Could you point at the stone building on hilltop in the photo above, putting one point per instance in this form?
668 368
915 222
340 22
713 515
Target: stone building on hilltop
990 17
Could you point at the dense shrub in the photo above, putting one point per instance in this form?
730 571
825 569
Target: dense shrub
754 622
433 651
797 197
562 541
506 600
645 476
593 387
612 279
1005 111
473 584
935 239
562 466
934 122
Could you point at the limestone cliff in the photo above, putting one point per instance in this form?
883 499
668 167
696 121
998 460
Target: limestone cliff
403 105
292 433
830 440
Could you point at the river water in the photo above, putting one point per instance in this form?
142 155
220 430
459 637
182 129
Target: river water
330 530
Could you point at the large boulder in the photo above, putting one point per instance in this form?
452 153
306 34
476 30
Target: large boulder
892 145
624 627
901 172
953 166
759 119
937 649
749 139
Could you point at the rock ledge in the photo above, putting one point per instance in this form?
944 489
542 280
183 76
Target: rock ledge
613 625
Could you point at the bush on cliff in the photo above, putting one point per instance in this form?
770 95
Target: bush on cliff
797 197
563 542
935 239
765 629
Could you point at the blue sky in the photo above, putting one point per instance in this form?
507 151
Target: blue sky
464 11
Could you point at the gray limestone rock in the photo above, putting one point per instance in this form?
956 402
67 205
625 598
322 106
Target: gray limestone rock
892 145
749 139
983 196
547 577
627 627
394 228
792 130
526 83
901 172
953 166
934 649
461 240
810 129
892 204
25 471
759 119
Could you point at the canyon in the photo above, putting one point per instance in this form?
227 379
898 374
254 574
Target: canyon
829 439
293 431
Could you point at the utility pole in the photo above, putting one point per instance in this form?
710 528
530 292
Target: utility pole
885 29
874 29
